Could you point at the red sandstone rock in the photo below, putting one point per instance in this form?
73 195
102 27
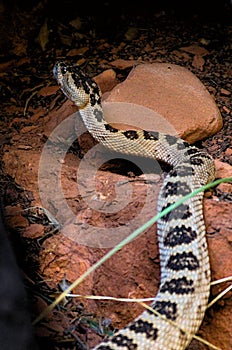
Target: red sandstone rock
106 80
164 97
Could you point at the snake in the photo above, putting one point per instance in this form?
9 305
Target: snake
177 310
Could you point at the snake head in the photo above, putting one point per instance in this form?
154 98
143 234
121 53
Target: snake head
79 88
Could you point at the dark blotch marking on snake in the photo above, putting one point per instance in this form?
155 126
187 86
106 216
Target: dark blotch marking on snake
171 140
87 87
123 341
191 151
182 171
196 161
110 128
144 327
179 235
166 308
182 145
151 135
131 134
181 261
179 188
182 212
180 285
98 115
93 99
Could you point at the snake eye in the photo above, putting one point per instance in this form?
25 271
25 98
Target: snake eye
63 68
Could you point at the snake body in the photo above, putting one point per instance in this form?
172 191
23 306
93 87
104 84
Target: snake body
181 301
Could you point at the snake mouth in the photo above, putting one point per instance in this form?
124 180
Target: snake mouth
55 72
60 73
59 70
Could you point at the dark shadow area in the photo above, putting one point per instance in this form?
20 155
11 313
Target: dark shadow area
16 332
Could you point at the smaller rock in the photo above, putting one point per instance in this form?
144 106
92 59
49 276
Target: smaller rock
225 92
33 231
123 64
48 90
14 218
225 187
106 80
222 169
195 50
198 62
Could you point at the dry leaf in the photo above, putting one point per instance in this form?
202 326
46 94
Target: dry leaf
42 38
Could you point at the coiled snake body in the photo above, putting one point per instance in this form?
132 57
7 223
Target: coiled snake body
185 271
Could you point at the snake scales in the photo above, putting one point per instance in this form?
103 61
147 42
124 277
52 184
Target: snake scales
185 271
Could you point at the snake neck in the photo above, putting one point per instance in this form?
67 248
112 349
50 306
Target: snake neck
94 120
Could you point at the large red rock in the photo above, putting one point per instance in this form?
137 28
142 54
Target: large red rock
164 97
